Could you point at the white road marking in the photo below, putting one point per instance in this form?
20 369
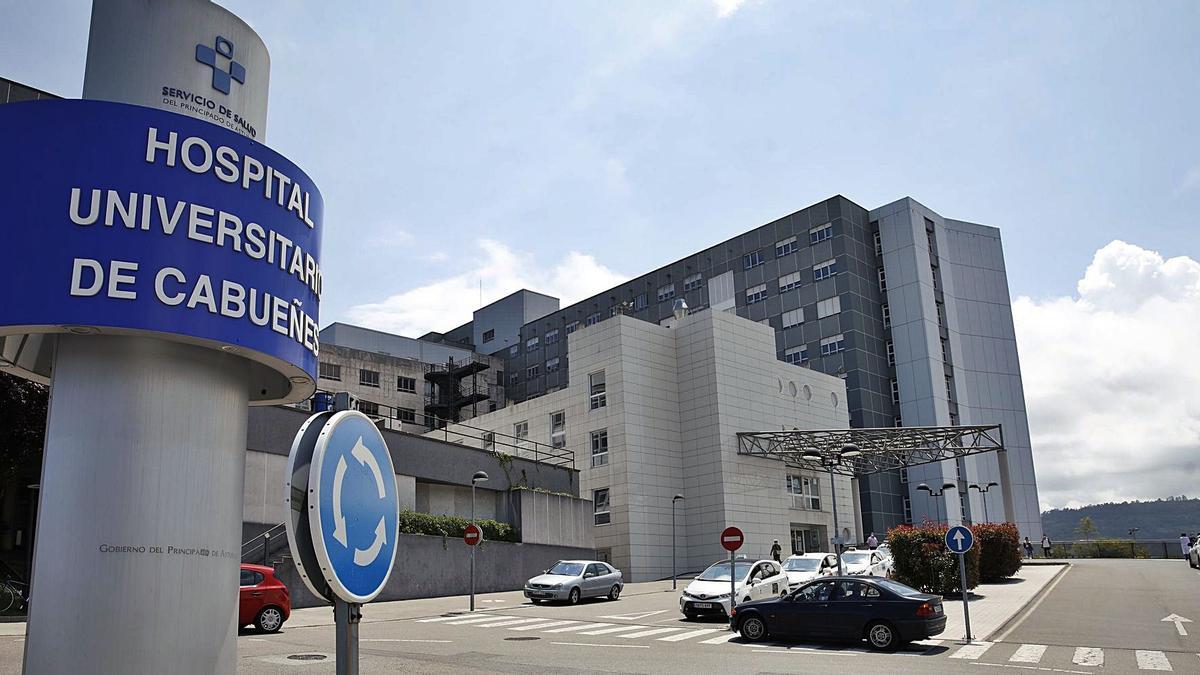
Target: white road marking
1088 656
582 626
474 619
1040 669
1028 654
606 631
1178 621
633 617
648 633
589 644
1150 660
804 650
720 639
539 626
441 618
689 635
508 622
971 651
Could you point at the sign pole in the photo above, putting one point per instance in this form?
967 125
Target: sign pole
732 592
346 617
962 578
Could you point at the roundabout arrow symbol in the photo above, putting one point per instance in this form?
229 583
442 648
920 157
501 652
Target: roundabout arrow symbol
362 556
366 556
339 520
364 457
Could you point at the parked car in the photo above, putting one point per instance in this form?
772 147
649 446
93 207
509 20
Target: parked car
264 600
708 594
884 612
864 563
803 568
573 580
885 552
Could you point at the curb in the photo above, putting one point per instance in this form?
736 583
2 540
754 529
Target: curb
1063 567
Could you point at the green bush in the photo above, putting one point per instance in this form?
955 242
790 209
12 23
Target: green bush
999 551
921 560
412 522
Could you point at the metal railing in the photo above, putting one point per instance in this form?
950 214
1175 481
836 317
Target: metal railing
463 433
1112 548
258 548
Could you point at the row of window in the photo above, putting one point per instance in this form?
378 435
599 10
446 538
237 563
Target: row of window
788 246
830 345
367 378
805 491
372 409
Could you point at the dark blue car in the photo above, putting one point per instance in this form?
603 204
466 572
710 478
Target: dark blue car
885 613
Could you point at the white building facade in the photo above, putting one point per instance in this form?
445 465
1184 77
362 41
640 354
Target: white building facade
654 411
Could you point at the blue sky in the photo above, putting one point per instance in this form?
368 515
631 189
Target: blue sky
566 145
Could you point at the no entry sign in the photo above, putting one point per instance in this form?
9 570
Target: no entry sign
472 535
732 539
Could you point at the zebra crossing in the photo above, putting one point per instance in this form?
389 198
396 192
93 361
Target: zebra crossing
704 636
1082 659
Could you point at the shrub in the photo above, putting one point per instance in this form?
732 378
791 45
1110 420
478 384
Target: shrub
412 522
921 560
999 551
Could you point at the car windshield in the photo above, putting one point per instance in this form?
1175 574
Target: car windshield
899 588
801 564
720 571
567 569
856 558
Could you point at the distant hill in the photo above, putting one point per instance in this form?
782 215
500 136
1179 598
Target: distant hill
1159 519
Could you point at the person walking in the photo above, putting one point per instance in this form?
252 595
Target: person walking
1046 544
776 550
1028 548
872 542
1185 544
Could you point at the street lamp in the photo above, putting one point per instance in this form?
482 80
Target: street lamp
830 460
983 490
938 493
674 571
478 478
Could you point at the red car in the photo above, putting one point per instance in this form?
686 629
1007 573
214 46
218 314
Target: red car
264 600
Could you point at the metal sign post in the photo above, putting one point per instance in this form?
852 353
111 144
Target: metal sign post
732 539
472 536
959 540
344 517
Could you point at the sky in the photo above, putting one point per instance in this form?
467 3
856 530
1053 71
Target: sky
468 149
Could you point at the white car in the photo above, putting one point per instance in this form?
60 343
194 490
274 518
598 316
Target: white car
864 563
708 594
885 552
803 568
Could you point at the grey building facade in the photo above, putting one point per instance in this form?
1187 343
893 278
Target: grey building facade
893 300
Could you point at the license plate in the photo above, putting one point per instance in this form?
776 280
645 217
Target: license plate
702 605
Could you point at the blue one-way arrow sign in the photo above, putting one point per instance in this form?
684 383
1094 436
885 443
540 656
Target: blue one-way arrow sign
959 539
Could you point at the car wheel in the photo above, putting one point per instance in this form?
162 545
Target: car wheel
753 628
614 592
269 620
573 596
882 636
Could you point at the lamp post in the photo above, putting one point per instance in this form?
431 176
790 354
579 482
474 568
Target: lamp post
831 460
674 569
478 478
938 493
983 490
266 549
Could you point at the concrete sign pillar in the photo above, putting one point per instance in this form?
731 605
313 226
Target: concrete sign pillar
162 273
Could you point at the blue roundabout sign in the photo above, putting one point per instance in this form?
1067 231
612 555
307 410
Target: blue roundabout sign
353 508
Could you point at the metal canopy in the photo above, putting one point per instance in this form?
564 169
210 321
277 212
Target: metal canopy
883 449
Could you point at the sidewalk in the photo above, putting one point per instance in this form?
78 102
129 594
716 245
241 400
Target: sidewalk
993 605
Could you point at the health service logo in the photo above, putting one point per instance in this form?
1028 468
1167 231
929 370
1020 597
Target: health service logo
221 79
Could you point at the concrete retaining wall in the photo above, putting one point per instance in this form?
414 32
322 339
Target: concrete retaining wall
429 567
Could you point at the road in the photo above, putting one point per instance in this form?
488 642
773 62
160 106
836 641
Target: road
1098 617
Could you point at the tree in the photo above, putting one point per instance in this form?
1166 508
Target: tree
22 423
1086 528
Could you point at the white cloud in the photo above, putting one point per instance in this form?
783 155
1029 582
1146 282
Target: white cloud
727 8
447 303
1112 380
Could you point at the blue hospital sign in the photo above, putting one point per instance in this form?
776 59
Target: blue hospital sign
354 509
126 220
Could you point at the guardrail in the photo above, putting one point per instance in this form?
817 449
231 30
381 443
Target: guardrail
1112 548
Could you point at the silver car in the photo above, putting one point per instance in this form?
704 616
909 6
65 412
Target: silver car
573 580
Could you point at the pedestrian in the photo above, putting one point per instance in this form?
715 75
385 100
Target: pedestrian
1185 544
1028 548
1046 544
776 549
872 542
